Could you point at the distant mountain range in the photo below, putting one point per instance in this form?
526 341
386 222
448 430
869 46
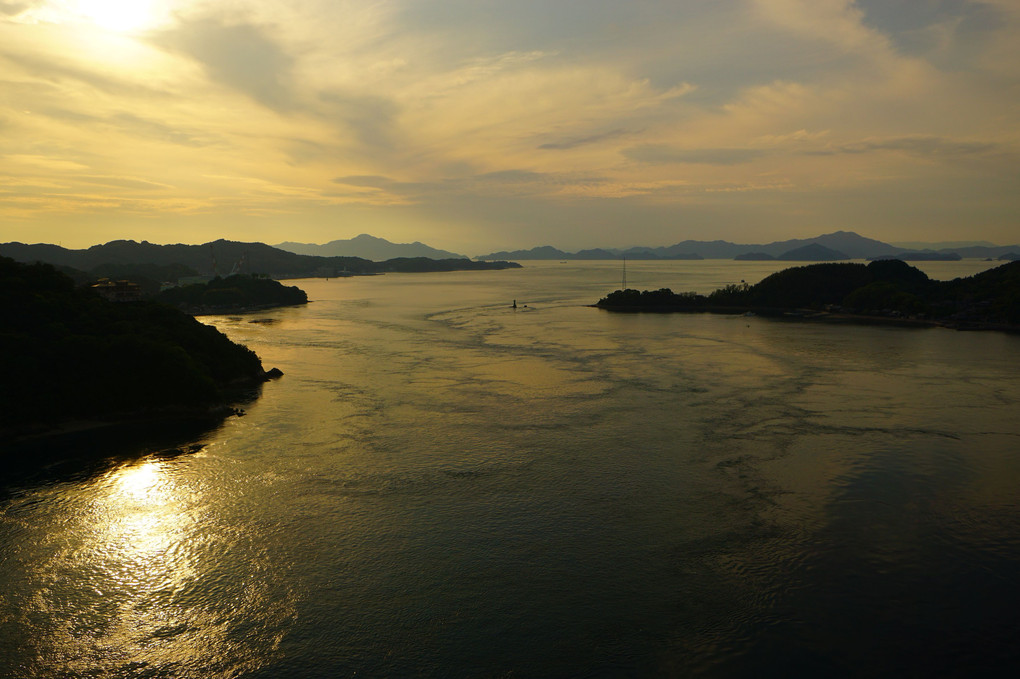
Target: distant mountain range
368 247
828 247
130 259
941 245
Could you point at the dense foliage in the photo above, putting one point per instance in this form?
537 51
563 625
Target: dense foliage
233 292
68 353
880 288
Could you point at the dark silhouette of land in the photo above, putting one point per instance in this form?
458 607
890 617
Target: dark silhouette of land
835 246
129 259
73 355
233 294
368 247
886 290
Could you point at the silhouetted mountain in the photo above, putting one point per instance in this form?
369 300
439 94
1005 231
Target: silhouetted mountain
923 256
812 253
850 244
596 253
368 247
982 251
917 246
711 249
221 257
541 252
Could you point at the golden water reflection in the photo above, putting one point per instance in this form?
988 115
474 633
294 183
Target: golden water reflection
151 576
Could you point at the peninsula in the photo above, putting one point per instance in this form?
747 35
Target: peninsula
79 357
886 290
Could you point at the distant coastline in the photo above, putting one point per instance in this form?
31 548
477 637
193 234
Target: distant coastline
881 292
151 264
830 247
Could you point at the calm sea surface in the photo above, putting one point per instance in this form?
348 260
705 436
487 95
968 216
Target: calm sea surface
442 486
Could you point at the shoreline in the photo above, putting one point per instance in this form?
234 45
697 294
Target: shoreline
41 432
821 316
238 393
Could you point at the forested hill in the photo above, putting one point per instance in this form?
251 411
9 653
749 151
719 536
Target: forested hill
233 294
886 288
221 257
73 355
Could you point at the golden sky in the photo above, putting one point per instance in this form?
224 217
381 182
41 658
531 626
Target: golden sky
476 125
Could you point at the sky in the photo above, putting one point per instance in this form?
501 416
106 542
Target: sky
478 125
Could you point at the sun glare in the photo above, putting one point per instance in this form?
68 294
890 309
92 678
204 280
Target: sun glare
141 483
119 15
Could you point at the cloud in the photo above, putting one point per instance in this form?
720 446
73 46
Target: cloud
45 162
510 177
122 182
536 113
930 147
574 142
159 131
241 56
12 8
660 155
56 70
373 181
370 118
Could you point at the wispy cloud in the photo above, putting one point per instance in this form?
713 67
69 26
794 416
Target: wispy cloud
920 146
574 142
241 56
685 119
657 154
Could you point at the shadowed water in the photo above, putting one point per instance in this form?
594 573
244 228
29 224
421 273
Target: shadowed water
443 486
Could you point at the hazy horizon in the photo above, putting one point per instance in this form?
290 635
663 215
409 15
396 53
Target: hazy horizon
275 243
484 126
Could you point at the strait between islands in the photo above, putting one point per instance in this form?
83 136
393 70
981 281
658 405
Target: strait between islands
79 360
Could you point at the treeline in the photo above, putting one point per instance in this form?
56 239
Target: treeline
72 354
237 292
887 288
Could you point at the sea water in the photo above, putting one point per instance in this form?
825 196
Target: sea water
442 485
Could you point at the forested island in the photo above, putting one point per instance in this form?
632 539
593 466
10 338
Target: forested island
73 355
883 289
233 294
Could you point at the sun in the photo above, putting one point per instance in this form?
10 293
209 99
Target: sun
121 16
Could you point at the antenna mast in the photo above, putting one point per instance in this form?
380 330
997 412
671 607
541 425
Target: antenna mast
624 273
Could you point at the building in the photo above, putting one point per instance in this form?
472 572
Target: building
118 291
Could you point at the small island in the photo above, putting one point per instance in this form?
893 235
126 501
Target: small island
234 294
77 357
883 291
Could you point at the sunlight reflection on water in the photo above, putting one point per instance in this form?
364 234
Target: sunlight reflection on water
145 579
442 486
